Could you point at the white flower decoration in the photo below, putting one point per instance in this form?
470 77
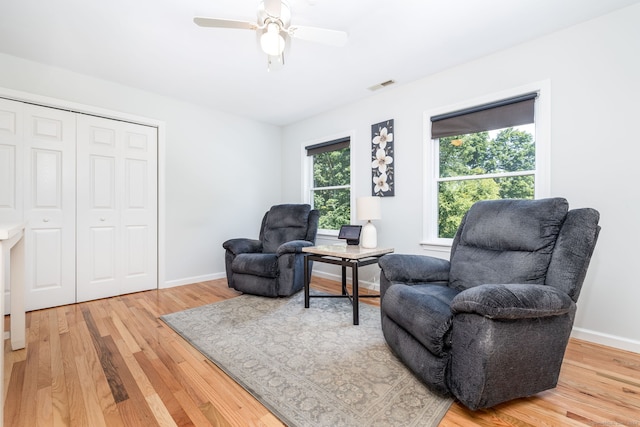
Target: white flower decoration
381 161
383 138
380 182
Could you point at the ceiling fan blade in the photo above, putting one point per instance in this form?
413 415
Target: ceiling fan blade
273 7
320 35
224 23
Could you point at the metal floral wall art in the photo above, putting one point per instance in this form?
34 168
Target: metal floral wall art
382 159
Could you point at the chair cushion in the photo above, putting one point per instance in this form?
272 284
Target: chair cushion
285 223
264 265
423 311
506 241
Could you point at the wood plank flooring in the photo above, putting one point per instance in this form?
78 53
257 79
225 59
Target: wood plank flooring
112 362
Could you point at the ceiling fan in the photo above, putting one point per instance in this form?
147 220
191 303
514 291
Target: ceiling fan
274 29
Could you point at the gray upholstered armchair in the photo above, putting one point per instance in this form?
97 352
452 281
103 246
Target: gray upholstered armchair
492 324
273 265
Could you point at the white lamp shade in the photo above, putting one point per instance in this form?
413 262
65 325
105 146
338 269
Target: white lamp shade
271 41
368 208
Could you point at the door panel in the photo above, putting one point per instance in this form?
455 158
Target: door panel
46 173
45 127
136 245
103 256
11 173
7 177
49 183
47 246
103 188
140 207
9 116
11 136
136 184
117 208
99 268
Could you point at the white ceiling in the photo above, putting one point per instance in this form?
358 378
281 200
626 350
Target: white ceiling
155 46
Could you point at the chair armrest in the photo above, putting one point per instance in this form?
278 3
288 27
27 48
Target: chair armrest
241 246
512 301
414 268
292 247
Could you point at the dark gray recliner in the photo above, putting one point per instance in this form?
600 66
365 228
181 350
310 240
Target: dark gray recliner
273 265
492 324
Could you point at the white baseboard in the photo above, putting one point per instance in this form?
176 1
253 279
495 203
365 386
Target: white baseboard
191 280
606 339
216 276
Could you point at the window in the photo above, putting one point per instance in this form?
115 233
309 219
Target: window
481 152
330 182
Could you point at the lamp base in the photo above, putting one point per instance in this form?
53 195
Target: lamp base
369 236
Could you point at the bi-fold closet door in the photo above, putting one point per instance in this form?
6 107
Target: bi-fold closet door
37 185
117 213
87 188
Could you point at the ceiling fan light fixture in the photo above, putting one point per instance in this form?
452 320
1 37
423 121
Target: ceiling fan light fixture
274 30
271 41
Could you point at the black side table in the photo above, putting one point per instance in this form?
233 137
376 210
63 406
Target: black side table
344 256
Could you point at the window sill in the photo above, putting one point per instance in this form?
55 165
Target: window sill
328 234
327 237
443 246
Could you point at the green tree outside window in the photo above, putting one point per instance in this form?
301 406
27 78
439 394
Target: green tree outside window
477 167
331 188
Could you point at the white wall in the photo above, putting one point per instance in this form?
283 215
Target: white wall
216 164
594 72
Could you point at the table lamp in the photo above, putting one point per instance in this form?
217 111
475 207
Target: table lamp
367 209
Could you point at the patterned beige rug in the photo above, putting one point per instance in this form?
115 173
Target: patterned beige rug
311 367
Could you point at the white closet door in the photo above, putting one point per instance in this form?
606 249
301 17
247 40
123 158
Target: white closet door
11 135
49 206
140 208
116 208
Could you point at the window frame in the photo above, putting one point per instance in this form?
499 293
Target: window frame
307 176
542 114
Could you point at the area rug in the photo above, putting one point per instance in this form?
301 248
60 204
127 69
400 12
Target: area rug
310 367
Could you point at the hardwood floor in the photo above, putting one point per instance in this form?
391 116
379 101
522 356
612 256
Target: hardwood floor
112 362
